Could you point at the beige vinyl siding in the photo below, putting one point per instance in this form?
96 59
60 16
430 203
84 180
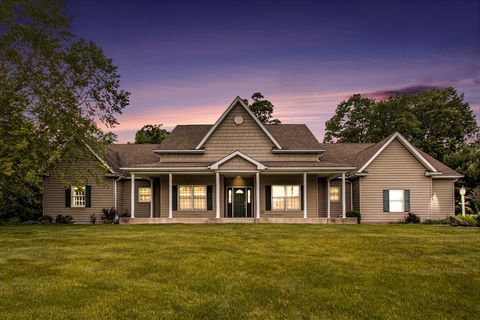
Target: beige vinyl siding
238 163
164 195
230 137
395 168
312 196
322 197
120 207
101 197
443 202
156 197
356 194
142 209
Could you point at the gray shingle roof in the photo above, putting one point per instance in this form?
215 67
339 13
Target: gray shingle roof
289 136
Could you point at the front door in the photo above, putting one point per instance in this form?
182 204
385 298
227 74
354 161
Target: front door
238 202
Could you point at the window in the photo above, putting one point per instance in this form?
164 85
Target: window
78 197
335 194
396 200
144 194
192 198
286 198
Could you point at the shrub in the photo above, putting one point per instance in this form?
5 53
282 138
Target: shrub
12 220
93 218
470 219
412 218
477 219
108 215
61 219
440 221
354 214
45 219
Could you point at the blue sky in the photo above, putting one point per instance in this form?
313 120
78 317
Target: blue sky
184 62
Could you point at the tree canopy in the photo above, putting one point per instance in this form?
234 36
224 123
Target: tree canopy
262 109
437 121
54 89
151 133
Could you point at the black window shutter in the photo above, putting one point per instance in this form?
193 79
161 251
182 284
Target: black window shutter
406 199
268 198
301 196
209 198
88 196
174 198
386 201
68 197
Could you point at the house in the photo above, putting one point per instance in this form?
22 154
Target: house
240 170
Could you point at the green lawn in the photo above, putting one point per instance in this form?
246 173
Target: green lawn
239 271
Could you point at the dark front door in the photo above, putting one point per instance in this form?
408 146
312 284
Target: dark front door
239 203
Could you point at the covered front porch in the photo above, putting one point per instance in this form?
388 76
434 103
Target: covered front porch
238 196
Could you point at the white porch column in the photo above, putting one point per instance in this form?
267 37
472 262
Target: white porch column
132 196
170 213
257 194
217 195
344 207
328 198
305 195
151 198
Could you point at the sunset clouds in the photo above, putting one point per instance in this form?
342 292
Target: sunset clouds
185 62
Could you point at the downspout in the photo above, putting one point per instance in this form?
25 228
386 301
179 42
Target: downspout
115 193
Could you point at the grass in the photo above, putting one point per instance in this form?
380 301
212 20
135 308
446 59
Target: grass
239 271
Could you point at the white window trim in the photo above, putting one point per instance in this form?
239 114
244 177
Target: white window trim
138 195
285 197
72 196
330 194
192 197
402 200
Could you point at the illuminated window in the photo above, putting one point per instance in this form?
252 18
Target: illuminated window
199 198
78 197
192 198
286 198
144 194
334 194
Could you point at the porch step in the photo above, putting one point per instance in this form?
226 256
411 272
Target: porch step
238 220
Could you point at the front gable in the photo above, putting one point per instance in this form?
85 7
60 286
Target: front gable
237 160
238 129
237 163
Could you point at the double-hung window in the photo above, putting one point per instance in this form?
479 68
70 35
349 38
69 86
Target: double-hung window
192 197
396 200
78 197
286 197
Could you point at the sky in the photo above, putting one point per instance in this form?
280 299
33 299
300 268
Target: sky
185 61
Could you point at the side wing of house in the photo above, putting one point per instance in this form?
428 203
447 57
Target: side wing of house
396 182
82 198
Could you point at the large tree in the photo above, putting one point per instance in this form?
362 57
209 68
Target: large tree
151 134
262 109
54 89
438 121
